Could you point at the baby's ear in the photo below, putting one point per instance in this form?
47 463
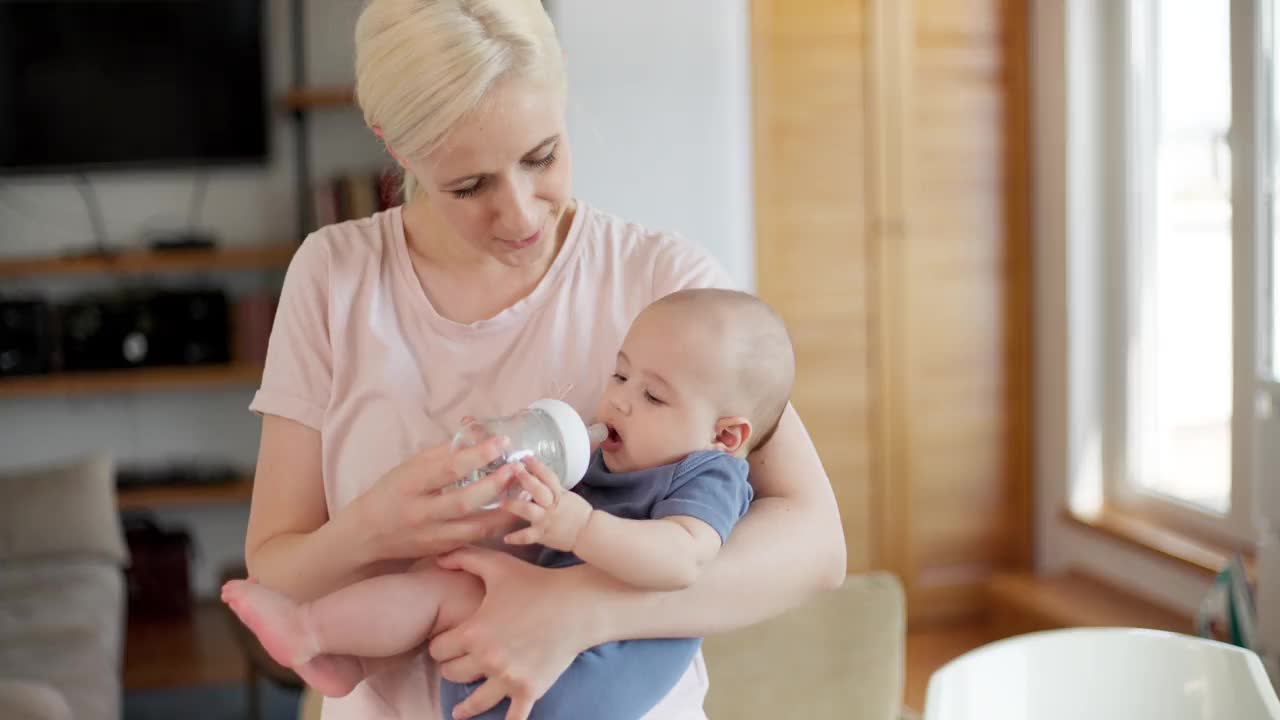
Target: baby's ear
732 434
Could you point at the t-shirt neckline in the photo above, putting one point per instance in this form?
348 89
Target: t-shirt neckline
508 316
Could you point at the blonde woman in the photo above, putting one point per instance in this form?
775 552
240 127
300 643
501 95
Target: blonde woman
490 287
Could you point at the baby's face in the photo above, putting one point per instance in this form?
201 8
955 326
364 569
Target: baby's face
659 405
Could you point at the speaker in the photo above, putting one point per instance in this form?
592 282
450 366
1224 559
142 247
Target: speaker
107 332
191 327
171 327
26 337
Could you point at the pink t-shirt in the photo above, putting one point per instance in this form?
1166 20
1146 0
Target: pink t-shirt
359 353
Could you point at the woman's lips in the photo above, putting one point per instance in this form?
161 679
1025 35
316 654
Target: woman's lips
527 242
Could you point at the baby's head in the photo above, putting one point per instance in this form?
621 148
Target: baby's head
699 370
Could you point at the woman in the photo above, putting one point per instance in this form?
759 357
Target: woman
489 288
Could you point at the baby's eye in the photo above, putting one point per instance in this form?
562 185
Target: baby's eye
619 377
650 397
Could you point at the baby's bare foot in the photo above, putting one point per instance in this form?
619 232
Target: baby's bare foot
274 619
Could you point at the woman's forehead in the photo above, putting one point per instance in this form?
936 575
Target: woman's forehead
514 118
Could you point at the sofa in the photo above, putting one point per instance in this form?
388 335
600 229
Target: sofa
839 657
62 592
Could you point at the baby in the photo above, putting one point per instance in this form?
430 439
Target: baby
702 379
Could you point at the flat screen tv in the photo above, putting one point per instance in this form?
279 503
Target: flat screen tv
89 85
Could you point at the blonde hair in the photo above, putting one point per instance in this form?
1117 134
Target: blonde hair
424 65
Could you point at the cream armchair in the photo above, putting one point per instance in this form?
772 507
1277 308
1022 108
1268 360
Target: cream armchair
838 657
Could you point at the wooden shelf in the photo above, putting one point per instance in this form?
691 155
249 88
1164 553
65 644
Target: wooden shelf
319 98
137 379
1022 603
148 498
184 652
149 261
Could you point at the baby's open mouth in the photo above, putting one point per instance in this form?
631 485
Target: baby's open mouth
613 440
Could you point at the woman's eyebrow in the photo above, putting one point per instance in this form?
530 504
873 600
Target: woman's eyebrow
540 146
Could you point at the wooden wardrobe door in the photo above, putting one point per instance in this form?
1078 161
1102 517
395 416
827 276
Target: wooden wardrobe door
811 245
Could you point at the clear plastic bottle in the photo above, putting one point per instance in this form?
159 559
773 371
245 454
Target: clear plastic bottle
550 430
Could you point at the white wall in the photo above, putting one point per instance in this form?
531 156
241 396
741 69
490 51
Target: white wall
660 117
661 132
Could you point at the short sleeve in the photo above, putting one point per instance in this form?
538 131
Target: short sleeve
299 368
681 265
711 487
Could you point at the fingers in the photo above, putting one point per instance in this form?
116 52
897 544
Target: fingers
520 709
462 531
439 466
470 499
537 490
448 645
543 473
462 670
524 510
483 563
527 536
485 697
463 462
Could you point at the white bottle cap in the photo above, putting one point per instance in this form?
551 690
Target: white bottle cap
573 433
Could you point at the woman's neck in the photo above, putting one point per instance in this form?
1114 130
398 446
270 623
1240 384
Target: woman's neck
449 269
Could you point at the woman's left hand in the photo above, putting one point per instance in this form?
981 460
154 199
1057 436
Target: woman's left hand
527 630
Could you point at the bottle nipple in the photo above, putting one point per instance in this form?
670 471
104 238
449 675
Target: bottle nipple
597 433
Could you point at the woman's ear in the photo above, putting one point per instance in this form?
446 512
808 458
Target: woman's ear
732 434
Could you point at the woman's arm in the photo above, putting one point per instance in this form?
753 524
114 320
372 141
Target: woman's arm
789 546
294 547
291 545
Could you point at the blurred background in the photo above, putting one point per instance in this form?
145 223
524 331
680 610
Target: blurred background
1024 247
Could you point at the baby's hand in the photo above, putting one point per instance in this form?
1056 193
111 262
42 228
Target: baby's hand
556 516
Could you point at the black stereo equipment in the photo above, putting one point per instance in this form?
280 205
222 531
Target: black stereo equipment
145 329
26 337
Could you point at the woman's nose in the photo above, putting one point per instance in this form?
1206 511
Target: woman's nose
518 216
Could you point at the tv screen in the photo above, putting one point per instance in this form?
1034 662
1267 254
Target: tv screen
103 84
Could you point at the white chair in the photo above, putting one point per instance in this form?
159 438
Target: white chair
1103 674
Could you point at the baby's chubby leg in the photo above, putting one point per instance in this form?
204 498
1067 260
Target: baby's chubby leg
381 617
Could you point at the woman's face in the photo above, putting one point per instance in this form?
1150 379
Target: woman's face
502 178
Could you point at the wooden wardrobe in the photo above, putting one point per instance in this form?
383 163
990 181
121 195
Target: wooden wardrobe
891 167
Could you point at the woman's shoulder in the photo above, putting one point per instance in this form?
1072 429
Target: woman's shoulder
608 232
352 242
619 245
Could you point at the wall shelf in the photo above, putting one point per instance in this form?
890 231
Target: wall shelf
150 261
136 379
315 98
150 498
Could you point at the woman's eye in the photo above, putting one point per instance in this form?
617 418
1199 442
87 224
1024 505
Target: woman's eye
542 162
468 191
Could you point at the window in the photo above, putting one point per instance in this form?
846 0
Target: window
1196 114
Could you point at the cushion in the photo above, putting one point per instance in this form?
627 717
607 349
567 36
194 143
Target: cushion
61 511
25 700
839 656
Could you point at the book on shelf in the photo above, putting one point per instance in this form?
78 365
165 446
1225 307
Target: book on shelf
352 195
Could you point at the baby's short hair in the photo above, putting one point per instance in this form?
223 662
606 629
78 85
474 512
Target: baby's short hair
763 359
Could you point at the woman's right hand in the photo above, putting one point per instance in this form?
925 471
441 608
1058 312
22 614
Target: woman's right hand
411 512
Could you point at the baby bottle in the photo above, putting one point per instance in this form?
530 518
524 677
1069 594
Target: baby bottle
550 430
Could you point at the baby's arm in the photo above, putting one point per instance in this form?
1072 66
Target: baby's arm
662 554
